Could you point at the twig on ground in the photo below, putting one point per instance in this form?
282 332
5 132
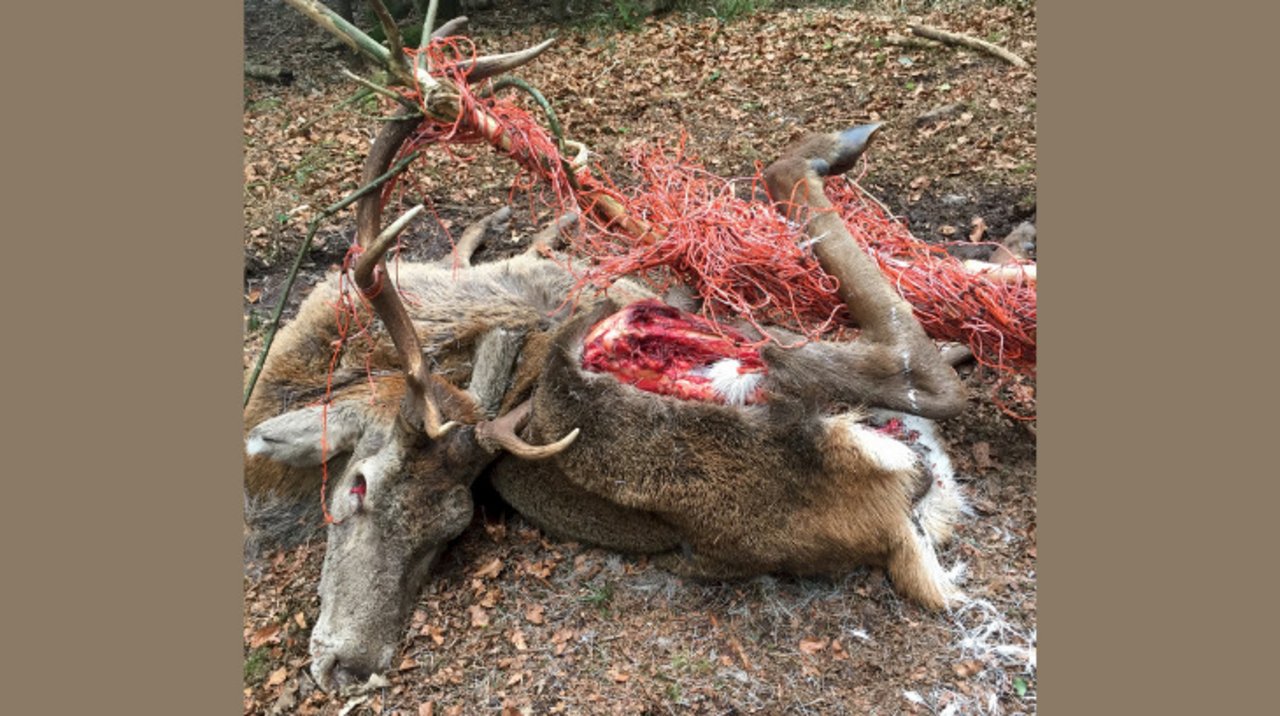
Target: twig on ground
973 43
301 129
268 73
939 112
902 41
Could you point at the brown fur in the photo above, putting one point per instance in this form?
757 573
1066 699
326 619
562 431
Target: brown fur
796 484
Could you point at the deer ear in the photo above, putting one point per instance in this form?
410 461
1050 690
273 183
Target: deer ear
295 438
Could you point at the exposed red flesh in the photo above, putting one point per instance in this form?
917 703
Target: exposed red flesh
660 349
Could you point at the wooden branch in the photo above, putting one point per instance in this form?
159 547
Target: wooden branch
268 73
973 43
392 32
939 112
352 35
900 41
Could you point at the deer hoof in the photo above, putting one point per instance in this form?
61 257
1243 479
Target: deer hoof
847 146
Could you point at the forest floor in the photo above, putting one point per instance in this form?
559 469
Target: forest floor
514 622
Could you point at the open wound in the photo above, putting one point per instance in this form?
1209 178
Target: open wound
661 349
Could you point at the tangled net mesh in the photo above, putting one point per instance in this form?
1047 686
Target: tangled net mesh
680 224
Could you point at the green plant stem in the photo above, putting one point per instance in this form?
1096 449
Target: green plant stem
374 87
360 94
552 121
314 226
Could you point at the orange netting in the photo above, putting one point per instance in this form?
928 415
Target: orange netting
682 224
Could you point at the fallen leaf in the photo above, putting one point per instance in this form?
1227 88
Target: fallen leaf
271 632
517 639
436 633
479 617
427 709
300 620
982 455
979 228
277 677
535 614
947 230
617 674
490 570
812 646
837 651
254 295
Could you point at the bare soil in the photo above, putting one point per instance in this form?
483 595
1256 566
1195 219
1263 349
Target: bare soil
513 622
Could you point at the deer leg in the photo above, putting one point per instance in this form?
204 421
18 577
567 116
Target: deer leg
556 505
893 362
916 573
474 235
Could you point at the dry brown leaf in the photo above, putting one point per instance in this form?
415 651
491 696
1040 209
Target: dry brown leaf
812 646
436 633
617 674
982 455
535 614
517 639
947 230
979 229
427 708
490 570
837 651
277 677
965 669
301 620
268 633
479 617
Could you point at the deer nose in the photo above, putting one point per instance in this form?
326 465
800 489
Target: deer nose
350 674
335 670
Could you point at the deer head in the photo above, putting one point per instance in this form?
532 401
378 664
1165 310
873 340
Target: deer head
410 455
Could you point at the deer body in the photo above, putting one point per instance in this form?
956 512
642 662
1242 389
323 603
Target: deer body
801 482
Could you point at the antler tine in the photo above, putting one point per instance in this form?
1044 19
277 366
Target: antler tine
452 27
501 433
370 271
485 67
387 304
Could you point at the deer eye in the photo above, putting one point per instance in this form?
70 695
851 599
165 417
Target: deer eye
358 490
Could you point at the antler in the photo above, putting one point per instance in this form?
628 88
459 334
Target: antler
393 59
370 274
427 392
501 433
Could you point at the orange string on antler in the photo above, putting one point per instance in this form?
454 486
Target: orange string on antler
682 224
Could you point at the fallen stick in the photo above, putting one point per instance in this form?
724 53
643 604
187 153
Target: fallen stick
940 112
268 73
973 43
